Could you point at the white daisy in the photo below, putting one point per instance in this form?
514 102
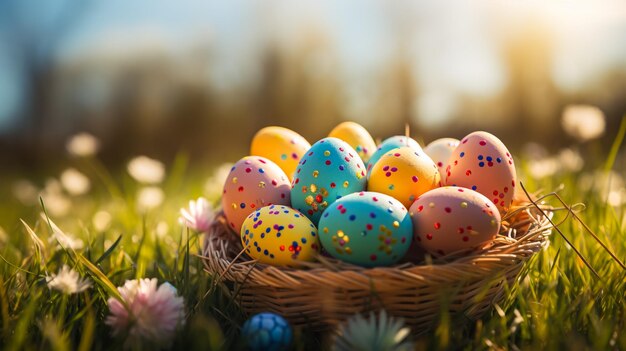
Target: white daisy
67 281
377 332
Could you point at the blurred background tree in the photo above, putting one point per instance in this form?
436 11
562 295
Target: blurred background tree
204 76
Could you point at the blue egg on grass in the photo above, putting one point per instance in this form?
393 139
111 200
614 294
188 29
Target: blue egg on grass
267 331
368 229
329 170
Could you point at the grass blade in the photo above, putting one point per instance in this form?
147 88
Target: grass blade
543 213
4 308
610 160
109 251
89 327
102 278
39 244
21 333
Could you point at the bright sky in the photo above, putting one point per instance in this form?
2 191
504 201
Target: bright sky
453 44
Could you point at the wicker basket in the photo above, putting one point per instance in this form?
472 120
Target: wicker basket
329 291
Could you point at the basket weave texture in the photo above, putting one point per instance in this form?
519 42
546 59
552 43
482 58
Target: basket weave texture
328 291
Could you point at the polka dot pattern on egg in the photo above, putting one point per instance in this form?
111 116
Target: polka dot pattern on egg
440 150
450 219
391 143
253 182
404 174
356 136
330 170
482 163
367 229
279 235
280 145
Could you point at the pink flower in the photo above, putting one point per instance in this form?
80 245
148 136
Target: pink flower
199 216
150 314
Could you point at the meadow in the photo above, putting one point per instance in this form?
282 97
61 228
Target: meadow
116 224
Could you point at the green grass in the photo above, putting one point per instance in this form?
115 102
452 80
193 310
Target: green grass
560 304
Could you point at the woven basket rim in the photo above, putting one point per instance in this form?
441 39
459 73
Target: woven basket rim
521 237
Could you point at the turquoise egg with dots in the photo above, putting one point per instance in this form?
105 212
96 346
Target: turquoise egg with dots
368 229
267 331
330 170
391 143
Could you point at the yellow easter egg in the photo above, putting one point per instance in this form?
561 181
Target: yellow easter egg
282 146
404 174
280 236
356 136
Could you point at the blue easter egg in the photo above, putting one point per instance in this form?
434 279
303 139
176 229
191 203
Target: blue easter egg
267 331
391 143
367 229
329 170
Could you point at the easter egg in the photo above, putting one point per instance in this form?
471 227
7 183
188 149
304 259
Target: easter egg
391 143
330 169
367 229
281 145
356 136
404 174
253 182
279 235
482 163
450 219
267 331
440 150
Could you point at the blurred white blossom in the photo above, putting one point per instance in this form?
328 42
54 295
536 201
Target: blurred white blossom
56 202
583 122
516 321
82 145
67 281
198 216
570 160
162 228
608 186
215 184
146 170
149 197
534 151
543 168
567 160
65 240
616 198
75 182
53 186
161 231
4 238
25 191
101 220
151 316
